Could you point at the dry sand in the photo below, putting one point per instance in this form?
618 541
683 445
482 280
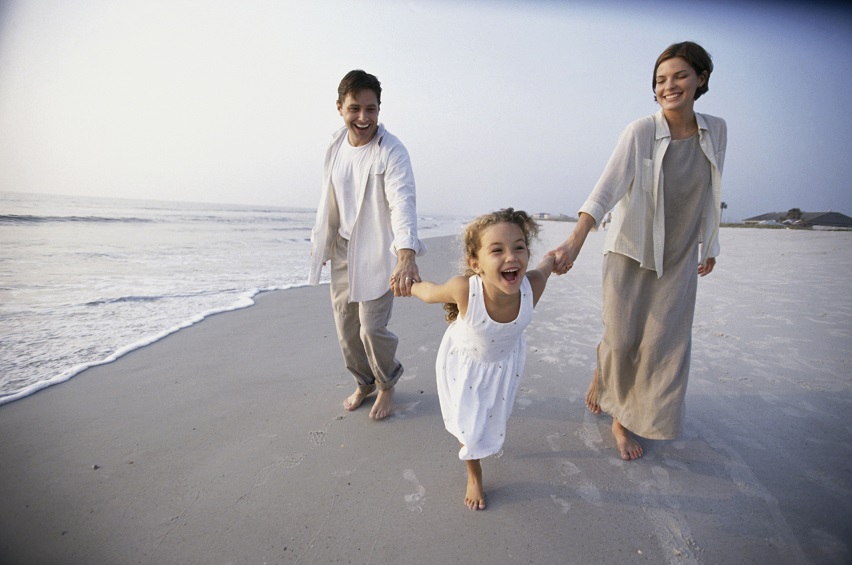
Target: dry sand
227 442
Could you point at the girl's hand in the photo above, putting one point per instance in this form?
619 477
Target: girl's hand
563 257
547 263
707 267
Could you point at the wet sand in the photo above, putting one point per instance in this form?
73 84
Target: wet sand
227 441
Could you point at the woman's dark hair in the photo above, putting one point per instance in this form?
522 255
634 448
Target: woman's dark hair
356 81
692 53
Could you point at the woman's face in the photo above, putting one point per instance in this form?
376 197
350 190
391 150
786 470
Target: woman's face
676 84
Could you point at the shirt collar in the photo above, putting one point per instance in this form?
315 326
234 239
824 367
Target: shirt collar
662 126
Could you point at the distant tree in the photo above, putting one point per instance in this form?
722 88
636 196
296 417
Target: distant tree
723 206
794 214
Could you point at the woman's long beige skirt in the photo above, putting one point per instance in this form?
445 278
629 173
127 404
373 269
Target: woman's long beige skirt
643 357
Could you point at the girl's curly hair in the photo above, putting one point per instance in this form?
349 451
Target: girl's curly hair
471 241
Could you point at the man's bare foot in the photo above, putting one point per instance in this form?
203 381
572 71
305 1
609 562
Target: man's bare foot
628 447
383 406
474 496
354 401
592 395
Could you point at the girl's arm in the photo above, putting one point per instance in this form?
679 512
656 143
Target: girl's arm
454 290
538 276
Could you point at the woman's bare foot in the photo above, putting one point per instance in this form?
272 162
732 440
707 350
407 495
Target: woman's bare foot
354 401
628 447
383 406
592 395
474 496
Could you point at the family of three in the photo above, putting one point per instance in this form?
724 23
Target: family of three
662 187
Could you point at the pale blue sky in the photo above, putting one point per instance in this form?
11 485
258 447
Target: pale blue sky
510 103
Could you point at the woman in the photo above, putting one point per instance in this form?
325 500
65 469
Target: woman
663 181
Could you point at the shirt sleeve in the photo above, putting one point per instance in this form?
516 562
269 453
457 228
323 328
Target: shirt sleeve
616 179
722 145
402 200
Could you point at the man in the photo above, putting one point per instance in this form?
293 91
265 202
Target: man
367 226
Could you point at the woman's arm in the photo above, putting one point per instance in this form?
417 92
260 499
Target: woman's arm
567 252
618 177
538 276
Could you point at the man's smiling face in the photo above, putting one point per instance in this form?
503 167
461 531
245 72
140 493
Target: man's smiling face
360 113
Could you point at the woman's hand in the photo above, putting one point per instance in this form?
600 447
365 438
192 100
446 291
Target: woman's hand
707 267
563 256
566 254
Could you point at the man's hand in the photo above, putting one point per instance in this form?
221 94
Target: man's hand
405 274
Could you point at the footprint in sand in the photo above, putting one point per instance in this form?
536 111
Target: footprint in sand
317 438
553 440
522 403
676 464
291 460
551 359
590 435
414 501
564 505
287 462
590 493
568 469
402 410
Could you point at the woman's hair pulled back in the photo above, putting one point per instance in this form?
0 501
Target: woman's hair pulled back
697 57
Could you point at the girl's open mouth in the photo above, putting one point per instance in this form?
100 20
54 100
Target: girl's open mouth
510 275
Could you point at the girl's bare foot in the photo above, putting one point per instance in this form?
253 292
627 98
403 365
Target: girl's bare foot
383 406
628 447
354 400
592 395
474 496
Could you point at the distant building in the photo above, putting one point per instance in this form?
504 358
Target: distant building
809 219
827 219
553 217
769 217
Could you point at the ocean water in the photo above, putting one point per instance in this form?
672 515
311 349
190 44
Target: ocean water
86 280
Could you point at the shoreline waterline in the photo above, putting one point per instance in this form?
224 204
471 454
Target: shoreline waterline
246 301
86 280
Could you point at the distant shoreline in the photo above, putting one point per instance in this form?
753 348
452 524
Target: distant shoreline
782 227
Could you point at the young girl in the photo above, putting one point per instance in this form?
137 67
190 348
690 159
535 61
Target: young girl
481 358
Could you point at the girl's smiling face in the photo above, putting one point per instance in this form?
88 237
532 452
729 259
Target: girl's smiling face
502 258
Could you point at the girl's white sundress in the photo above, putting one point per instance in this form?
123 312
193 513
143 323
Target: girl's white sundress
479 367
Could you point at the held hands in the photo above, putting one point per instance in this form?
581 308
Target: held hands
567 253
405 274
547 263
563 257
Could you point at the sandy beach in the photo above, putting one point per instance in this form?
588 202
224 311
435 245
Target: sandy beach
227 441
